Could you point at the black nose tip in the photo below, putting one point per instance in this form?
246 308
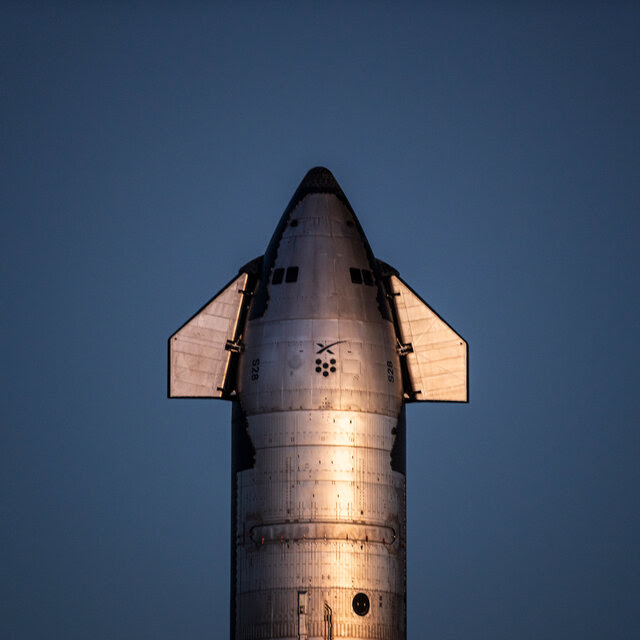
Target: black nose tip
319 180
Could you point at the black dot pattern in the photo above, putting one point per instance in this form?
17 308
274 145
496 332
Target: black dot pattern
326 367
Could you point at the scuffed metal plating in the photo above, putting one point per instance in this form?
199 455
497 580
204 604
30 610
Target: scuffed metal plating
317 369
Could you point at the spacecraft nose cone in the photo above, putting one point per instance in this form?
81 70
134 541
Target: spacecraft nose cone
319 180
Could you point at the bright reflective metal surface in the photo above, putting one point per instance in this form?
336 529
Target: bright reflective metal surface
321 510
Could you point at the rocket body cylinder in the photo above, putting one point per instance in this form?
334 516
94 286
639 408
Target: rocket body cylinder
320 513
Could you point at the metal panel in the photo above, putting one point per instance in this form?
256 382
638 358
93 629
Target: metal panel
199 351
436 354
302 615
322 512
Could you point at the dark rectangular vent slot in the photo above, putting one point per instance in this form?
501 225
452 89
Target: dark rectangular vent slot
356 276
278 274
292 274
367 276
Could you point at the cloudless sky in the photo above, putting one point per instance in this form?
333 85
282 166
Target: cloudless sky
492 155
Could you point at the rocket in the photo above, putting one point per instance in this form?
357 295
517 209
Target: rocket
318 346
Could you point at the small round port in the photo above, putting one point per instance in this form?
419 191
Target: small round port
361 604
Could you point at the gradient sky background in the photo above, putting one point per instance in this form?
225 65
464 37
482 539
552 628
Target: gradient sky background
492 156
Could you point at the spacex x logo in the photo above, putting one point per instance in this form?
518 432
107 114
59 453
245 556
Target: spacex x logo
326 348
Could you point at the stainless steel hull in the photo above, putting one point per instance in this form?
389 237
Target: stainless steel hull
319 346
322 514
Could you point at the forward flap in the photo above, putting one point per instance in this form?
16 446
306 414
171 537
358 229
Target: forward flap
200 351
436 355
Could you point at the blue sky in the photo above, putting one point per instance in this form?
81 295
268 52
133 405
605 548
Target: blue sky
492 155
